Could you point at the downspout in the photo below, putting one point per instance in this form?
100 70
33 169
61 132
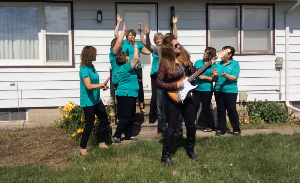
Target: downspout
287 59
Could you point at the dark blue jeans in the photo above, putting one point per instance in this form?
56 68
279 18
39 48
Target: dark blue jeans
162 118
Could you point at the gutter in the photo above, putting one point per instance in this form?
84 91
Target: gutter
287 59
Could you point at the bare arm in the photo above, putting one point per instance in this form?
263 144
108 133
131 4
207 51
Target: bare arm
140 28
230 77
120 40
119 19
135 58
145 51
210 79
89 86
148 42
175 20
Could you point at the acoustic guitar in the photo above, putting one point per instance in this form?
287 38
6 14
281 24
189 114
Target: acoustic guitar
180 94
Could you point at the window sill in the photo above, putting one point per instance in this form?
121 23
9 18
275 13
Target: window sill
35 64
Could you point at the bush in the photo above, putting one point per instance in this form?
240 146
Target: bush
268 112
73 121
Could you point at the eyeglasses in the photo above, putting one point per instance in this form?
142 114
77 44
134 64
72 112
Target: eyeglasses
176 45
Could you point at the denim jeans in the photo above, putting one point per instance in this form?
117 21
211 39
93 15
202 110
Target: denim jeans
162 118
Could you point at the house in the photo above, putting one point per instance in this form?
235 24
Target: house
41 42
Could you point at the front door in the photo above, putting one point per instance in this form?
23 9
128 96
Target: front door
133 14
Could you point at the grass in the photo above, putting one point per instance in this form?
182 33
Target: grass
257 158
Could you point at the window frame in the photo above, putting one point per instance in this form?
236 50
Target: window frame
241 7
42 61
10 113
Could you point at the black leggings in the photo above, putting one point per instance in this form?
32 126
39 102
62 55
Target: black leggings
89 113
153 103
126 114
187 110
139 73
205 98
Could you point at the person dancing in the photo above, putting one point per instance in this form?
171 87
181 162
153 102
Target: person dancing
170 70
203 93
90 99
127 93
226 74
128 48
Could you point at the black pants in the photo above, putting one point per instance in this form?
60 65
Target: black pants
187 110
139 73
89 112
205 98
227 101
126 114
153 103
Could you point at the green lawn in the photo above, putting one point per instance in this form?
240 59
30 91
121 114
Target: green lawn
258 158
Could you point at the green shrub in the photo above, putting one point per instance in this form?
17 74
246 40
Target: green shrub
73 121
268 112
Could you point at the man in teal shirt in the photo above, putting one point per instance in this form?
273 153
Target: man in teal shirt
225 75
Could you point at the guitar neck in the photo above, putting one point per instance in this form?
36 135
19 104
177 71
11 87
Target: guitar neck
201 70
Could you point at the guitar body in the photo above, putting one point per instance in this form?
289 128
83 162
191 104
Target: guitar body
180 94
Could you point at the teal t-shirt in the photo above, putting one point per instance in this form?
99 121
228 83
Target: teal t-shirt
89 97
127 81
222 84
203 84
155 64
114 66
129 49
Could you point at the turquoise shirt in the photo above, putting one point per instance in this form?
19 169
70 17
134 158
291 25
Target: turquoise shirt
89 97
203 84
128 82
222 84
114 66
155 63
129 49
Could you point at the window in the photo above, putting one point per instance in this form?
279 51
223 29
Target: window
248 28
35 34
13 114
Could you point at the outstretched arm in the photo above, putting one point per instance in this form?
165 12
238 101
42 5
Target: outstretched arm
135 56
175 20
140 28
120 40
119 20
148 42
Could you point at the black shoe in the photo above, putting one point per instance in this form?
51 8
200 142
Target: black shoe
192 155
220 133
167 142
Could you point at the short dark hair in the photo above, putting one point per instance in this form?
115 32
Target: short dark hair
232 50
113 42
121 58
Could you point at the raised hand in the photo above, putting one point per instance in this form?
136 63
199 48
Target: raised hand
140 28
124 26
175 19
223 74
119 18
147 31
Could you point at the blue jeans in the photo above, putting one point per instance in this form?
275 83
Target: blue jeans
161 113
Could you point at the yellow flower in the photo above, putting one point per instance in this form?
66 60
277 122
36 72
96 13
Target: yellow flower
79 131
70 116
103 100
95 116
81 119
59 120
73 135
59 107
66 108
67 116
95 121
111 114
64 125
62 116
73 106
70 102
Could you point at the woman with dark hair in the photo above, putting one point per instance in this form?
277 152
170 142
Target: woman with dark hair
226 74
127 93
90 99
174 64
203 93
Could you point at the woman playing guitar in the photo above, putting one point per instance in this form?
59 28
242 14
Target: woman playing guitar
171 69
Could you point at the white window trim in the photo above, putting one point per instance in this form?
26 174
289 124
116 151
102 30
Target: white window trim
241 30
269 29
42 61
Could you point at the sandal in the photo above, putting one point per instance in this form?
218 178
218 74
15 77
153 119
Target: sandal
117 140
236 133
219 133
207 130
